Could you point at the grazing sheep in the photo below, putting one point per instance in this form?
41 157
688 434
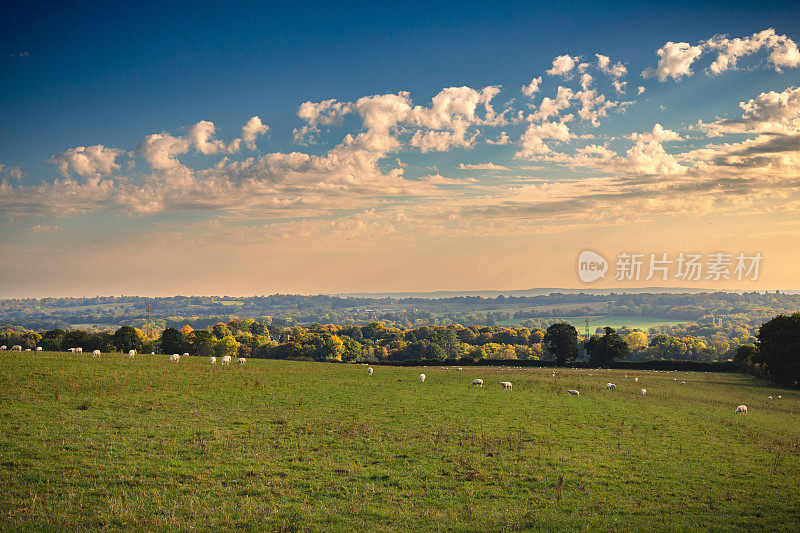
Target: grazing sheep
27 349
610 386
683 383
554 374
71 350
213 360
226 360
174 358
769 397
506 385
78 350
626 375
477 382
574 392
38 348
131 354
16 348
590 375
460 369
370 371
422 378
96 353
779 396
740 409
241 361
644 391
152 353
3 348
185 355
636 380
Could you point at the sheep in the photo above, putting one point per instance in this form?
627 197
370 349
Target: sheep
78 350
174 358
422 378
644 391
27 349
38 348
477 382
610 386
769 398
574 392
683 383
554 374
152 353
370 371
226 360
779 396
506 385
740 409
3 348
460 369
96 353
213 360
185 355
16 348
131 353
71 350
241 361
636 380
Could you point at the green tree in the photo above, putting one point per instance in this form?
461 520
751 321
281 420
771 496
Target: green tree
606 348
173 341
126 338
779 348
226 346
561 340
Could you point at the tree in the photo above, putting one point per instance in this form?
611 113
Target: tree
637 340
227 345
126 338
779 348
172 341
609 347
561 340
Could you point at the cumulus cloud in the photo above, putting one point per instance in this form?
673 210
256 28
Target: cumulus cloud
325 113
251 130
14 173
532 88
552 107
532 141
87 161
160 150
617 70
481 166
563 65
676 59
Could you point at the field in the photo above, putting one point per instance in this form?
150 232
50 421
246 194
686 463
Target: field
140 443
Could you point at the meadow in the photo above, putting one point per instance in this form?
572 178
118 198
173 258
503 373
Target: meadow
118 443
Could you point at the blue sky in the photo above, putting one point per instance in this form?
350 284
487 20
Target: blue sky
83 75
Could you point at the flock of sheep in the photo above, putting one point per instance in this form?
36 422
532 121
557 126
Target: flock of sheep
226 360
507 385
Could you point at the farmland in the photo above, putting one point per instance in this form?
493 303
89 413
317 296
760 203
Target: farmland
143 444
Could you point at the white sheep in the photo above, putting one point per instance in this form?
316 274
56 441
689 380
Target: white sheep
477 382
644 391
574 392
554 374
506 385
740 409
174 358
3 348
38 348
610 386
132 354
16 348
71 350
226 360
370 371
636 380
779 396
185 355
152 353
78 350
460 369
96 353
769 397
683 383
27 349
213 360
422 378
241 361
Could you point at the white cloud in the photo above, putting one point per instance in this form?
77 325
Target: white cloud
640 90
481 166
14 173
325 113
552 107
532 141
200 137
563 65
532 88
251 130
501 139
617 70
160 150
619 86
586 81
675 61
87 161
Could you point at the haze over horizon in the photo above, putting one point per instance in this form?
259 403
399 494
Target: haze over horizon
256 150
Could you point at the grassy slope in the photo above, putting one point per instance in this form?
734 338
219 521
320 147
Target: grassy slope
282 445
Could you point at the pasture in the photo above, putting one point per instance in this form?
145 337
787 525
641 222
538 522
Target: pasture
140 443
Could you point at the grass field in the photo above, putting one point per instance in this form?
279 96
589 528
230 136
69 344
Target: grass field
143 444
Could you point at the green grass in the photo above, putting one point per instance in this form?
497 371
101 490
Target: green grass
140 443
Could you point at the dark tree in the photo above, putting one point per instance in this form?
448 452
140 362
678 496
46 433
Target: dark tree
606 348
126 339
172 341
779 348
561 341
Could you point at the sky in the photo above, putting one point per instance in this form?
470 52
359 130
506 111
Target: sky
202 148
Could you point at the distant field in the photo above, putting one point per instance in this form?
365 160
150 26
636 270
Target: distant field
141 443
596 321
